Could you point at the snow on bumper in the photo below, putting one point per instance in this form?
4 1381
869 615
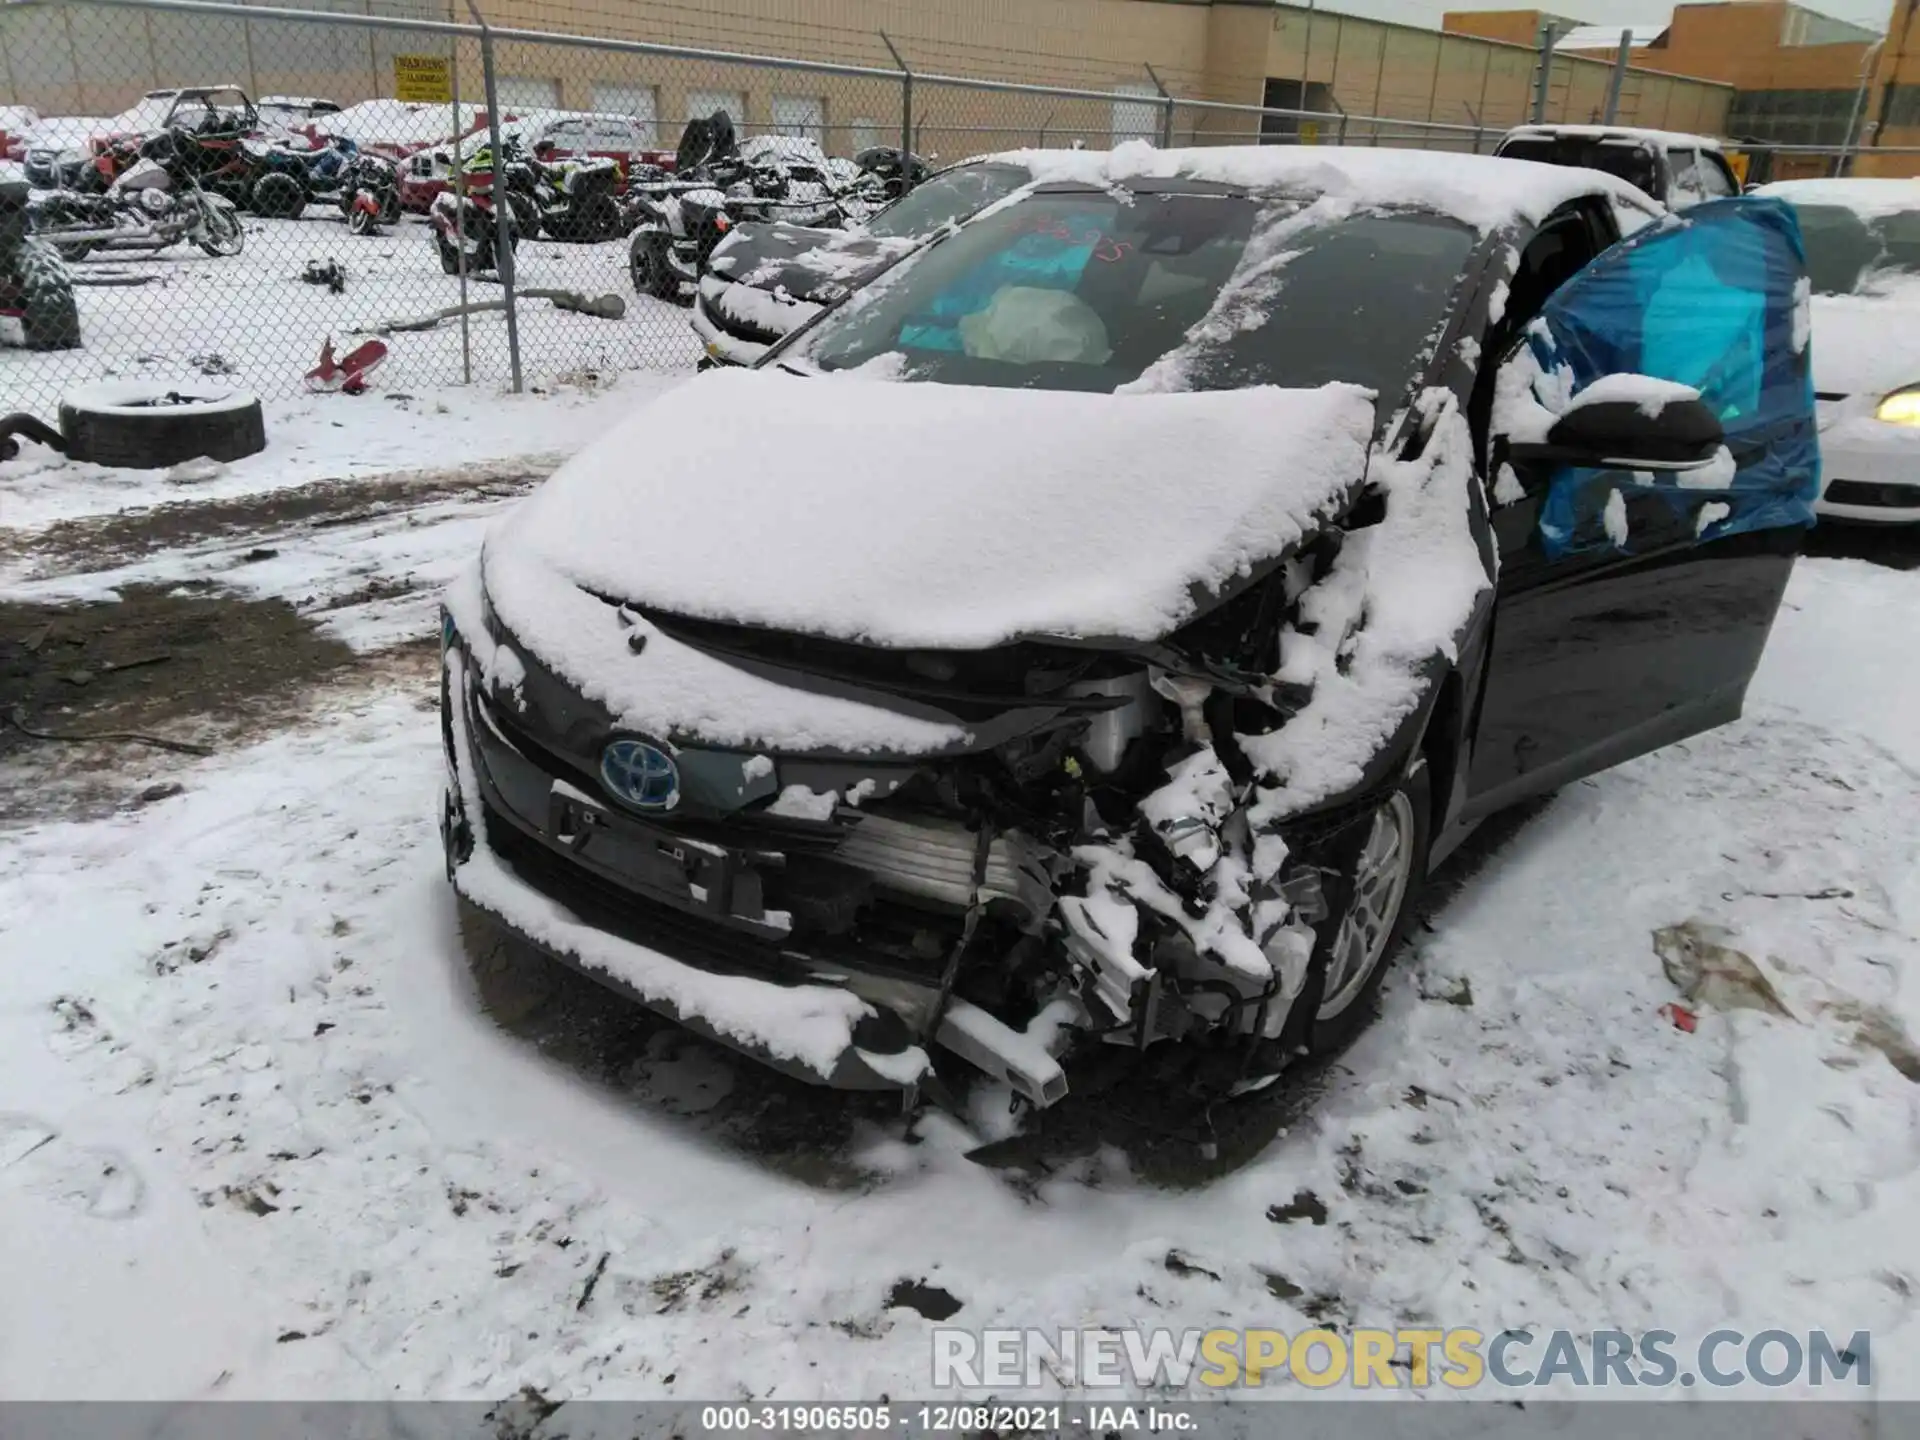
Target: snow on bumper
738 323
805 1029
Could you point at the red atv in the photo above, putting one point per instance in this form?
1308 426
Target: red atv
208 122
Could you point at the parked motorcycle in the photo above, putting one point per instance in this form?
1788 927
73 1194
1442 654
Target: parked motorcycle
156 202
370 194
467 223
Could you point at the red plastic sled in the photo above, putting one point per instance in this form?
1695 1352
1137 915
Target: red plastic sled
348 372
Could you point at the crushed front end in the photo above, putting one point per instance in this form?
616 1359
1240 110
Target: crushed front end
1093 859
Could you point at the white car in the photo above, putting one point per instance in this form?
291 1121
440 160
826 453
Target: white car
1676 169
1863 258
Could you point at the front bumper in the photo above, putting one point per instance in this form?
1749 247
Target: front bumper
738 323
798 1015
722 346
1870 470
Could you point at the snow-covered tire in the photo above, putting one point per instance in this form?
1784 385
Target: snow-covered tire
49 320
514 980
278 197
147 425
1358 942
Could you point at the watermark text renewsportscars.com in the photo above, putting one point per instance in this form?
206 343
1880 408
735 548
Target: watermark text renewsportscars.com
1403 1358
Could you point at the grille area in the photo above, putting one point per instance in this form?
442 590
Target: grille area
1859 492
933 859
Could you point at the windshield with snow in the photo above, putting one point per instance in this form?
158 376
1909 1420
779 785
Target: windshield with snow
1849 253
946 197
1092 291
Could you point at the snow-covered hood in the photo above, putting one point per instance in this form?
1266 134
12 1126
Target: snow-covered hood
1867 344
804 262
938 516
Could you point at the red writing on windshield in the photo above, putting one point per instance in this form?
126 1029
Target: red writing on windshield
1105 248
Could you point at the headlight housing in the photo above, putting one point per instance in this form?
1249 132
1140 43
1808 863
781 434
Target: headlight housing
1902 407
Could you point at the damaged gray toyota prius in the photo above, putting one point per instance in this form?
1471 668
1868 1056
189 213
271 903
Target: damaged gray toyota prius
1090 634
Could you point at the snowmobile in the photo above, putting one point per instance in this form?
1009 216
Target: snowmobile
156 202
575 200
36 297
889 171
720 182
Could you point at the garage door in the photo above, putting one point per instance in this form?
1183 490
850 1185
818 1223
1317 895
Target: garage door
701 103
804 117
528 92
639 101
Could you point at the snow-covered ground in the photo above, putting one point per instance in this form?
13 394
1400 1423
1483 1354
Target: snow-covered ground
332 437
258 1139
251 320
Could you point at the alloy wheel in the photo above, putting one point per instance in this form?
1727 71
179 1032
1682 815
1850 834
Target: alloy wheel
1379 890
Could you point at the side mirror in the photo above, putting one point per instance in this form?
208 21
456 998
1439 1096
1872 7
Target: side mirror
1654 432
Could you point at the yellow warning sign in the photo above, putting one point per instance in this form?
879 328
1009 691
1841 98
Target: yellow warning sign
423 78
1309 132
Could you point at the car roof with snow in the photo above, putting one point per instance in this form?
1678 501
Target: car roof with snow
1481 190
1666 139
1864 196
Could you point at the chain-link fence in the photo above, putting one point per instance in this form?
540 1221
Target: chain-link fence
248 257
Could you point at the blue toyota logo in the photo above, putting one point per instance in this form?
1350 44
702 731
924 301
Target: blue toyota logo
641 775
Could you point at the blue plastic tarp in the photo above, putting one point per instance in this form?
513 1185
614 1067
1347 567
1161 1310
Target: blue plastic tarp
1715 299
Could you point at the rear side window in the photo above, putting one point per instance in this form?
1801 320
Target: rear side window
1623 159
1698 176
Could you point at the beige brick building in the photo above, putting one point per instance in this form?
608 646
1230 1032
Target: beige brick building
91 60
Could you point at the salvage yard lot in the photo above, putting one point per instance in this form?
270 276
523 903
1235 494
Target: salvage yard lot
252 318
245 1083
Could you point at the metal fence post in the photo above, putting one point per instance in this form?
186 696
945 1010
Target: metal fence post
1549 37
502 209
906 93
1619 77
1166 113
1852 139
459 207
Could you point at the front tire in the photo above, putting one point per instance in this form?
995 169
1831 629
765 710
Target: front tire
647 262
1358 943
49 319
278 197
220 232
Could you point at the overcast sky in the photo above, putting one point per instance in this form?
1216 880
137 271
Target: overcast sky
1598 12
